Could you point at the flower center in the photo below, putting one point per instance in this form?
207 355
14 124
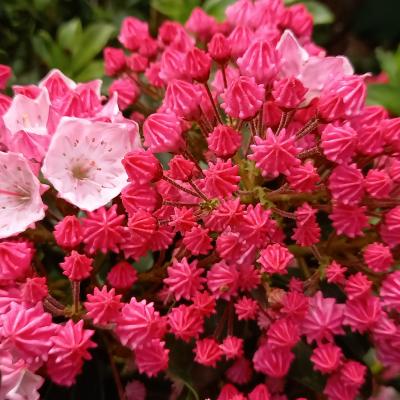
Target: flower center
81 170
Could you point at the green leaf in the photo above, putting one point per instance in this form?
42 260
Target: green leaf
178 10
94 70
321 13
387 95
50 53
69 35
390 63
145 263
93 40
216 8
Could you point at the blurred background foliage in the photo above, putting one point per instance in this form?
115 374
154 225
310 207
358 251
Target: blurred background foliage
36 35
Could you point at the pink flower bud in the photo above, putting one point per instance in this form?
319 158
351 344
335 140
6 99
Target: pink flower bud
68 232
201 24
289 93
243 98
183 99
76 266
239 40
298 19
127 90
378 257
122 275
173 65
330 107
5 75
224 141
142 167
260 61
198 64
162 133
181 168
114 61
219 48
133 31
378 184
137 62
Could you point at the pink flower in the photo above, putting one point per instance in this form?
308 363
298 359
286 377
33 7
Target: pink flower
346 184
122 275
349 220
243 98
275 258
103 306
295 306
15 259
323 320
228 212
222 178
17 380
84 160
142 167
135 197
181 168
162 133
184 279
353 373
390 229
57 84
26 121
185 322
224 141
273 362
197 240
139 324
133 31
229 245
183 219
283 333
20 195
68 232
204 303
77 266
222 280
239 40
339 143
390 290
246 308
152 358
362 313
102 230
207 352
275 154
232 347
260 61
229 392
240 13
26 332
336 390
172 65
326 358
378 184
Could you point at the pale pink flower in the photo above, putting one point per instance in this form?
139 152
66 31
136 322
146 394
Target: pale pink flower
20 195
26 121
17 382
84 160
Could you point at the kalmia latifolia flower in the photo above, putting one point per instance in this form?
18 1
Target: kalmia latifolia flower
227 212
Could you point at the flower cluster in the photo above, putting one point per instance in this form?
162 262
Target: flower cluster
251 170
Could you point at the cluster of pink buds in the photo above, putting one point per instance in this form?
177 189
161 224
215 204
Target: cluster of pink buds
251 169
